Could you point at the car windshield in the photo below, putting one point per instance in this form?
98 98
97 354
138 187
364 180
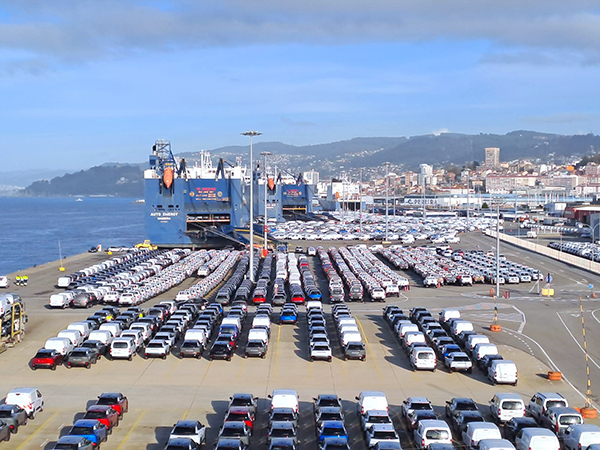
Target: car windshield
570 420
384 435
155 345
330 416
334 431
106 401
354 347
420 406
336 447
184 431
4 414
43 355
79 353
95 415
232 432
254 344
551 403
120 345
424 355
461 358
282 432
81 430
177 447
437 434
465 406
233 417
282 417
511 406
379 419
240 402
189 345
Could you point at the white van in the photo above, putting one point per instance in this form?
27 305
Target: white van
423 358
475 339
138 339
406 327
30 399
83 327
62 345
144 328
261 321
536 439
232 321
122 348
495 444
258 334
458 326
505 406
314 304
503 371
477 431
61 300
350 336
114 328
579 437
446 314
371 400
411 337
284 398
432 432
481 350
73 335
196 334
103 336
347 328
63 282
347 321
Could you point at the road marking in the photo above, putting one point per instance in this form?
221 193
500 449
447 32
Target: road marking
594 315
577 342
277 352
362 331
44 443
124 441
37 431
60 426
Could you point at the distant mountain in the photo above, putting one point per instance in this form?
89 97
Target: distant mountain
126 180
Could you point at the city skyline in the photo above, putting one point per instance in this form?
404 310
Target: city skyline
87 84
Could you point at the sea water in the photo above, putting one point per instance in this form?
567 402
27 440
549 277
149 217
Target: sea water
31 228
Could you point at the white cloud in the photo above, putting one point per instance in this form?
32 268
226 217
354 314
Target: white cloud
440 131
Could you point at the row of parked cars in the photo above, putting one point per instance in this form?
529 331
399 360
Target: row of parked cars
510 271
586 250
449 338
97 423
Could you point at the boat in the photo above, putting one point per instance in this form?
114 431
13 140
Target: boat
79 199
207 206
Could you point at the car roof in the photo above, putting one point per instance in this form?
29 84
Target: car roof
333 424
563 410
187 423
434 424
70 439
418 400
85 423
551 395
382 427
23 390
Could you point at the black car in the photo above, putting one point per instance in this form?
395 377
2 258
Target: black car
96 347
14 416
221 351
516 424
486 361
193 349
460 420
82 357
326 400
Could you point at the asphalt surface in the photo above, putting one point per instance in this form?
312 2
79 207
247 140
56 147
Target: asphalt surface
539 334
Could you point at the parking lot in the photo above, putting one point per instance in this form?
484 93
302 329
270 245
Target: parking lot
161 392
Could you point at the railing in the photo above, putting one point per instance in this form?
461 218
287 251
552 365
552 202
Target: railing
574 260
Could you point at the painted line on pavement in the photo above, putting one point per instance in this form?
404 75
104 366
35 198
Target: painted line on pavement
574 339
124 441
37 431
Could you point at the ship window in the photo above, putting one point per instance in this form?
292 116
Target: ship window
171 206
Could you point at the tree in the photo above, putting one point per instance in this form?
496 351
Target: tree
485 206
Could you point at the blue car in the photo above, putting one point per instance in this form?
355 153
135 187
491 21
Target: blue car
331 443
93 430
288 316
451 348
331 429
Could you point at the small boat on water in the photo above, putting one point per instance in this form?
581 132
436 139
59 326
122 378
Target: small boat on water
79 199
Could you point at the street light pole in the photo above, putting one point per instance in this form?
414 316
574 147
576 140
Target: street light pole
498 250
360 199
387 182
265 154
251 134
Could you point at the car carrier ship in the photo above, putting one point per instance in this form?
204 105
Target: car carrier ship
201 205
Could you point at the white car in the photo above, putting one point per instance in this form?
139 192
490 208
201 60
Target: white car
157 348
381 432
320 350
4 282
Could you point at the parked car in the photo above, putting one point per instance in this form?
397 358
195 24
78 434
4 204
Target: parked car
74 443
47 358
82 357
105 414
190 429
14 416
93 430
115 399
30 399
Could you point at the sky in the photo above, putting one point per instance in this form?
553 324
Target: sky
84 82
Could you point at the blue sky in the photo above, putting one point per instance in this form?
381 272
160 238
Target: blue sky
86 82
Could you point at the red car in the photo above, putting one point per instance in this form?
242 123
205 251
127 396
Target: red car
47 358
105 414
115 399
241 414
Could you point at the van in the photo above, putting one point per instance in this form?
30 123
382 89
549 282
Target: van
503 371
258 334
61 300
145 328
371 400
29 399
423 358
475 339
284 398
73 335
505 406
411 337
347 321
477 431
314 304
196 334
446 314
64 282
350 336
579 437
536 439
495 444
458 326
137 337
122 348
432 432
348 329
114 328
481 350
62 345
232 321
406 327
103 336
83 327
261 321
559 418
